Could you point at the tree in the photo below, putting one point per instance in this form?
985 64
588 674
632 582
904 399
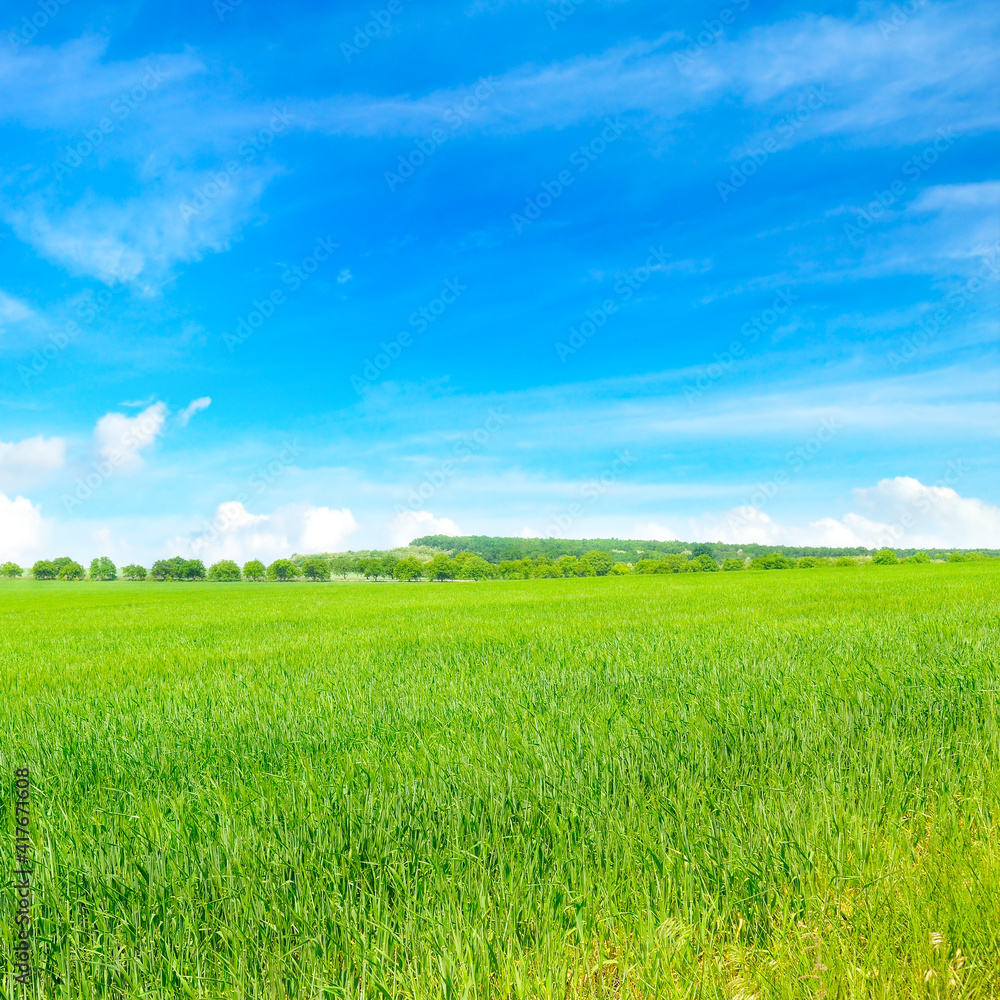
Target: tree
956 557
619 569
225 571
387 565
45 569
178 568
315 568
918 557
474 567
254 570
133 571
72 570
846 561
702 550
773 560
11 571
103 568
342 565
282 569
807 562
409 569
885 557
732 565
441 567
704 563
601 561
193 569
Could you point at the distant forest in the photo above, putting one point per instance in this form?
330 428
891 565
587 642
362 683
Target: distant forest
497 549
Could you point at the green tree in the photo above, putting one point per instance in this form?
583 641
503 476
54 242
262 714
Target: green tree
387 566
224 571
409 569
702 550
601 561
474 567
620 569
315 568
193 569
133 571
441 567
282 569
342 565
732 565
956 557
885 557
45 569
704 563
72 570
807 562
103 568
846 561
11 570
254 570
918 557
773 560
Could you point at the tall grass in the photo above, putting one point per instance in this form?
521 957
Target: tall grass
739 785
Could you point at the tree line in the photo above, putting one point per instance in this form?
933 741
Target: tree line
442 566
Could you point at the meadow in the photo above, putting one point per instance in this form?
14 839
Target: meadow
724 785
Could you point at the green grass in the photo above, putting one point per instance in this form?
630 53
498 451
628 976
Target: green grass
716 785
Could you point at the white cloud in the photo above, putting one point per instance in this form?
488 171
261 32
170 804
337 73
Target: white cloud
898 513
237 534
30 460
120 439
22 529
202 403
13 310
410 524
654 532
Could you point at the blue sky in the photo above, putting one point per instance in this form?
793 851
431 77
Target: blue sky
327 278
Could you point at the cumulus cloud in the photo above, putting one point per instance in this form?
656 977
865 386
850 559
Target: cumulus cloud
410 524
237 534
899 513
202 403
654 532
120 439
27 461
22 529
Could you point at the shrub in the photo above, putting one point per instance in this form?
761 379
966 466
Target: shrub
918 557
807 562
704 564
134 572
255 571
315 568
103 569
409 569
773 560
956 557
731 565
45 569
225 571
846 561
282 569
620 569
72 570
885 557
600 561
11 570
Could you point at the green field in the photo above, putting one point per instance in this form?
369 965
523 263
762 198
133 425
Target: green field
742 785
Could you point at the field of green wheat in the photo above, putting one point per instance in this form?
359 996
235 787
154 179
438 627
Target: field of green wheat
746 785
